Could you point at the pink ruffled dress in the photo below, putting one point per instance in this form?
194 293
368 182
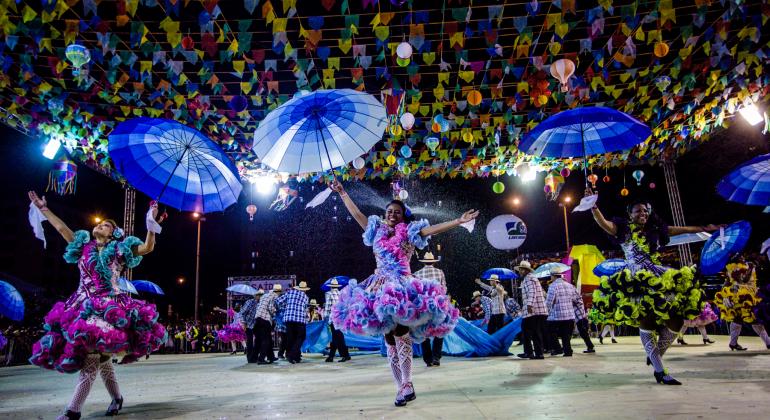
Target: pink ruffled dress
233 331
95 319
707 316
392 295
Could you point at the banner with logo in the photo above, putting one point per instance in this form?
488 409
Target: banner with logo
506 232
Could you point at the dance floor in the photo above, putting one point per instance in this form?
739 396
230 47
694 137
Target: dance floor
612 383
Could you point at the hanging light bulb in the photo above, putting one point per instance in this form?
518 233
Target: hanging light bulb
750 113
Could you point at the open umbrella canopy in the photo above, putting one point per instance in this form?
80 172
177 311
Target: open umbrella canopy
174 164
319 131
749 183
544 270
688 238
243 289
11 302
610 267
501 273
342 280
583 132
147 286
722 245
127 286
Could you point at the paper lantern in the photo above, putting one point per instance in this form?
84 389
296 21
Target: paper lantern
187 42
396 130
638 175
652 185
467 137
661 49
498 187
390 159
403 62
404 50
251 209
435 127
432 143
403 195
606 179
407 120
78 56
474 97
406 151
624 192
592 178
565 172
562 70
359 162
406 170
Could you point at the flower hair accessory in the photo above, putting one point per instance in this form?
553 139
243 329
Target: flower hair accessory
117 233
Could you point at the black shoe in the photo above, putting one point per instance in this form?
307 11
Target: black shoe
648 361
344 359
708 341
232 353
738 347
410 397
661 378
601 340
263 362
438 363
114 408
591 350
567 355
536 357
681 341
400 402
557 352
428 364
614 341
72 415
524 356
329 359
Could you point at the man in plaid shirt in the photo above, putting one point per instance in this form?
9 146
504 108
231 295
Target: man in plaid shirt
497 297
264 325
248 320
294 305
431 352
534 312
338 339
561 301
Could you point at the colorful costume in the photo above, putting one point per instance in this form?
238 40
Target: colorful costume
393 297
232 332
739 303
95 319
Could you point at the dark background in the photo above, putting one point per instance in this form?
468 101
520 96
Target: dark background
316 244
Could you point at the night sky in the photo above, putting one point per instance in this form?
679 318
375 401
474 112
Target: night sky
324 241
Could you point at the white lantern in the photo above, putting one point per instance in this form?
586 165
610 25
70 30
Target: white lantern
403 195
563 69
404 50
359 162
407 120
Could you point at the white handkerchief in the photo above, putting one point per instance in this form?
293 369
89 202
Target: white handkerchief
586 203
469 225
320 198
36 218
152 225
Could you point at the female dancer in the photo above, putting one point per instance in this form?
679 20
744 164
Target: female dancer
738 300
99 320
233 332
645 294
707 316
392 301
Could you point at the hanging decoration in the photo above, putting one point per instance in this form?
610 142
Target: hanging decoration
562 70
62 179
592 178
638 175
498 187
251 210
554 182
78 55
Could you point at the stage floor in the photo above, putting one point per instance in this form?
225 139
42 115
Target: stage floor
612 383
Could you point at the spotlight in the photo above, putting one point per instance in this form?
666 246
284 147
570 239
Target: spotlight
51 148
751 114
516 201
97 219
264 184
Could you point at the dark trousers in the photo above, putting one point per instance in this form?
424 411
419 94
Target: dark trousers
338 343
562 330
281 337
431 352
532 334
495 323
252 345
295 336
265 336
582 326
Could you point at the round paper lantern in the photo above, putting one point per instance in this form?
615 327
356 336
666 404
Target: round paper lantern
467 137
606 179
498 187
432 142
652 185
562 70
187 42
390 159
403 195
403 62
435 127
404 50
542 100
251 209
396 130
547 189
238 103
359 162
661 49
474 97
407 120
406 151
624 192
565 172
406 170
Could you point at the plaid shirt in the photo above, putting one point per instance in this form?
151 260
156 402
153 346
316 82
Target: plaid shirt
580 310
512 307
248 313
266 307
532 295
486 304
294 304
561 300
498 303
331 297
430 272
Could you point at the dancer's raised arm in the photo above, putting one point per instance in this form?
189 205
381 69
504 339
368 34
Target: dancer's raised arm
603 223
149 242
678 230
57 223
349 204
443 227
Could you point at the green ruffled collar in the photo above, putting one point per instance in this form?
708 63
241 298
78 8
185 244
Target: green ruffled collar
638 239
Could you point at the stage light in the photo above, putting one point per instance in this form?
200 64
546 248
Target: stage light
97 219
751 113
196 215
264 184
516 201
567 199
180 280
51 148
529 176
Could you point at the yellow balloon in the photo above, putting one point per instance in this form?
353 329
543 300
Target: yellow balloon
467 137
396 130
390 159
405 170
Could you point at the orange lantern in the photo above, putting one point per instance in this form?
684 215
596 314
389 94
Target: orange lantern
661 49
435 127
592 179
624 192
474 97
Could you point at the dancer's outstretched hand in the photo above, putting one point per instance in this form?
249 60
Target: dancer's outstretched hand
712 227
589 192
468 216
37 201
154 207
336 186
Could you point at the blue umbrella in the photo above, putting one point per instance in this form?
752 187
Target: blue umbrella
582 132
545 269
722 245
243 289
609 267
319 131
749 183
175 164
342 280
11 303
501 273
147 286
126 286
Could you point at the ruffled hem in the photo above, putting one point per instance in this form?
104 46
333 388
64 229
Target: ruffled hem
707 316
421 305
744 302
122 326
626 298
232 332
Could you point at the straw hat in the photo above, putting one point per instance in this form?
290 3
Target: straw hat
334 283
558 271
476 294
302 286
429 258
494 277
313 302
277 288
524 265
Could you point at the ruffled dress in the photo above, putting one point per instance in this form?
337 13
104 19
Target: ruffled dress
392 295
707 316
739 302
232 331
95 319
645 289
